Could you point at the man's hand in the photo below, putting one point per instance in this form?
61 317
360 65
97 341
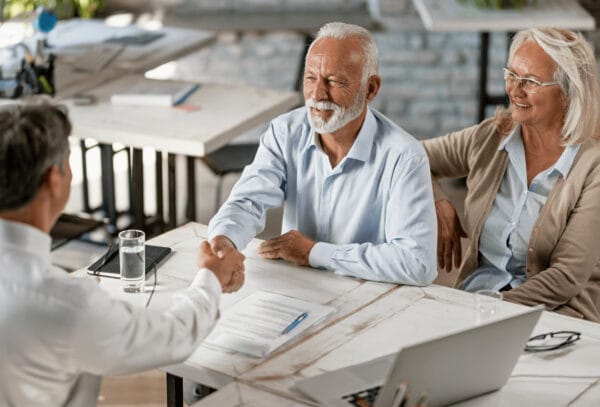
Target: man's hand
220 244
292 246
228 267
449 233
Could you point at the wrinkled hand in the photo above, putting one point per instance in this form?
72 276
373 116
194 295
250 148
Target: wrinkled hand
292 246
220 244
449 233
228 266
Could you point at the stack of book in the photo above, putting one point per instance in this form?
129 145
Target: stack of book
153 92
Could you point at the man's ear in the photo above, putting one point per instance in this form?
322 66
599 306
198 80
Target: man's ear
52 180
373 85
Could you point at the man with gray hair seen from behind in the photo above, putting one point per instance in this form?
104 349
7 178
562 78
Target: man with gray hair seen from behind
354 186
59 334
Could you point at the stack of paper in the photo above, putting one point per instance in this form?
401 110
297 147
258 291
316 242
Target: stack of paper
264 321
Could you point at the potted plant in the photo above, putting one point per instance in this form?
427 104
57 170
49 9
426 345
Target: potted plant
62 8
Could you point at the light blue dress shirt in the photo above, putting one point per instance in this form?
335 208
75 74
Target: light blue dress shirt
505 235
372 215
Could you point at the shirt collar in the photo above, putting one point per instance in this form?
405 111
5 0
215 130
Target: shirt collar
514 134
26 237
513 145
362 146
565 161
562 165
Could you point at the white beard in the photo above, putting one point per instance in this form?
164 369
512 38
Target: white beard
341 116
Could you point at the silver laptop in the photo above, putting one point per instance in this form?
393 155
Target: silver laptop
444 370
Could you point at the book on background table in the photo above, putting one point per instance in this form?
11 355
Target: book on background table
153 92
256 324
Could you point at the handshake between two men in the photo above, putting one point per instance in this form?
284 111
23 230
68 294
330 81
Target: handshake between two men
226 263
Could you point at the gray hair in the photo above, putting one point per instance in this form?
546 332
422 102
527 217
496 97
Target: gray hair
576 73
33 138
341 31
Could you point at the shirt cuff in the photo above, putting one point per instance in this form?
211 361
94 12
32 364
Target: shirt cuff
207 280
237 241
321 254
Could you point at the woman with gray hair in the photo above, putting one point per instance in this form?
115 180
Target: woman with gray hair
532 210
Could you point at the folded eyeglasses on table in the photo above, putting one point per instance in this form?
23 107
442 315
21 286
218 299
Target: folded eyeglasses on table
551 341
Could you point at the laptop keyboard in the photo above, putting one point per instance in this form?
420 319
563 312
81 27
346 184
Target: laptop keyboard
367 395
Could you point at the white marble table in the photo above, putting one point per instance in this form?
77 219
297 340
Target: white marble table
452 15
76 33
372 319
222 112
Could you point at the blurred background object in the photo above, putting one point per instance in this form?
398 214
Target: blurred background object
62 8
499 4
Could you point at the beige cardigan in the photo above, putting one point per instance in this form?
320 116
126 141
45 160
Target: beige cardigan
563 262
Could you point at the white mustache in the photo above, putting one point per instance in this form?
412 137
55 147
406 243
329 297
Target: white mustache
322 105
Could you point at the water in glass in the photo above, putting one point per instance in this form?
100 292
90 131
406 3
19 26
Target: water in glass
132 260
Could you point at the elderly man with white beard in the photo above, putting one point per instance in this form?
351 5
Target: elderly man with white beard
356 188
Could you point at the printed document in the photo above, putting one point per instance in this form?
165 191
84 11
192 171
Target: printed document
264 321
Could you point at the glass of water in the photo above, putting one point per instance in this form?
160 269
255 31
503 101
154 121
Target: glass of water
487 305
132 260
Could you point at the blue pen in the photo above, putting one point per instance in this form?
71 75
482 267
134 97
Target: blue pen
295 323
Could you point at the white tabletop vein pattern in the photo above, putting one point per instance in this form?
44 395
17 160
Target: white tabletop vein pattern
371 320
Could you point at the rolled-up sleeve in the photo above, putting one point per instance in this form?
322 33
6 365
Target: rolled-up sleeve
261 186
408 255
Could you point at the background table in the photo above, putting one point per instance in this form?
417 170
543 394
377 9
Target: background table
223 112
371 320
452 15
74 38
175 43
220 113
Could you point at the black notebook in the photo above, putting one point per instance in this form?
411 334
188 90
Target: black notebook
108 265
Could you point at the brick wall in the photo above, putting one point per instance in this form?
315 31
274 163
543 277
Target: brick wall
430 80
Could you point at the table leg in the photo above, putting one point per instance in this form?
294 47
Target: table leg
484 42
485 99
174 391
137 187
108 183
85 183
172 180
160 211
308 39
191 189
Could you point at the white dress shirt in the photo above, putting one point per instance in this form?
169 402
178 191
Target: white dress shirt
59 334
372 215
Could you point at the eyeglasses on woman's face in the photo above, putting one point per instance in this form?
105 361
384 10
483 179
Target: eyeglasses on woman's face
551 341
529 85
